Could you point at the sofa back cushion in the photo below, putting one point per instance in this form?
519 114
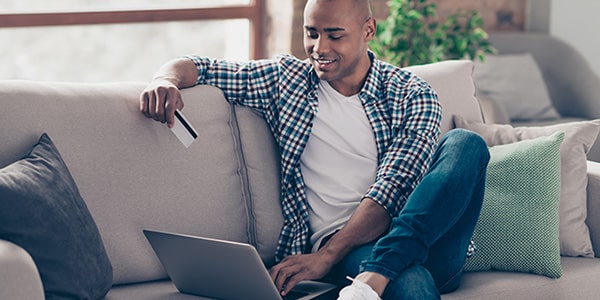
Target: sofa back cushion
132 172
261 162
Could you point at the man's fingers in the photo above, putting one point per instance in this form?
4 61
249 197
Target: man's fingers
279 277
144 104
286 275
161 95
152 98
173 102
160 100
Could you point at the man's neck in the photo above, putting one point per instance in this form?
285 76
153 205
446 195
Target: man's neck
352 85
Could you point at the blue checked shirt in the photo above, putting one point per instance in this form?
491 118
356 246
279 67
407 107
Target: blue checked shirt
403 110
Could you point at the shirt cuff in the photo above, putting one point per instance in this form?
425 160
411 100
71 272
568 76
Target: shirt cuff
387 195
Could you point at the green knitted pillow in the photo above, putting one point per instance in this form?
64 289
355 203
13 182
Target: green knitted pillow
518 226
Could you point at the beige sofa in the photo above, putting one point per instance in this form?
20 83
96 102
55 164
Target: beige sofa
133 173
566 84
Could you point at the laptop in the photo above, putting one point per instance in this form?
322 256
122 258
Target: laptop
221 269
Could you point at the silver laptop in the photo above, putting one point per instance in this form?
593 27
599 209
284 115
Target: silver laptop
221 269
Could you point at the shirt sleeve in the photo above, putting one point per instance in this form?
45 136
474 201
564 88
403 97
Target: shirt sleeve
415 129
251 83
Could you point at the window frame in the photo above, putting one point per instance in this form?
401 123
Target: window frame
254 12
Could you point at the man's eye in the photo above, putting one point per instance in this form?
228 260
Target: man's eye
335 37
312 35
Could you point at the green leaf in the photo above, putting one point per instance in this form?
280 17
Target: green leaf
412 35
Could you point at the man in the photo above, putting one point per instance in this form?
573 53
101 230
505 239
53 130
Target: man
356 136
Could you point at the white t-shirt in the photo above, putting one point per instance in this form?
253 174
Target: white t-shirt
338 163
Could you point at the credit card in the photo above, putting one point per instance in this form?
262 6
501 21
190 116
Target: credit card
183 130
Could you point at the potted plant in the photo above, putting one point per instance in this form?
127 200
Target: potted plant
411 35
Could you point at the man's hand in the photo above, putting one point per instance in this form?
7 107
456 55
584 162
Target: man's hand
160 100
368 222
162 96
296 268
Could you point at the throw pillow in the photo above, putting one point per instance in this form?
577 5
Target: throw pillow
517 229
43 212
515 82
579 138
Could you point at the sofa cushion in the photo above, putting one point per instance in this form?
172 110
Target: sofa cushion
579 281
43 212
594 152
261 170
133 172
515 82
579 137
518 225
453 82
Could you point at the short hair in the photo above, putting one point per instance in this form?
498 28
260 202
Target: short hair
365 6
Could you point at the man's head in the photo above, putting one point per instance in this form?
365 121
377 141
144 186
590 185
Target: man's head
336 38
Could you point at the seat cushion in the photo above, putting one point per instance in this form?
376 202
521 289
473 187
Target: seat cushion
579 281
156 290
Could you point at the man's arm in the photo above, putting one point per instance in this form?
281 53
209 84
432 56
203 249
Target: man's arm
162 97
368 222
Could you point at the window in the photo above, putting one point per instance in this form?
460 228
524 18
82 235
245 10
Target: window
89 5
120 40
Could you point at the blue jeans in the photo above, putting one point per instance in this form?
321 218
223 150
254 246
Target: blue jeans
425 249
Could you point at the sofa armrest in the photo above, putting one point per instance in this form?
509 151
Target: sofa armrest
593 204
19 277
572 84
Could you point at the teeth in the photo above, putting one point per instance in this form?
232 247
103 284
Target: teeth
324 61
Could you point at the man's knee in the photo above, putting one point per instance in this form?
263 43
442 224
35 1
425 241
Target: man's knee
467 145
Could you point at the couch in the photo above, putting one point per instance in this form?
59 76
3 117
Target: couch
537 79
133 173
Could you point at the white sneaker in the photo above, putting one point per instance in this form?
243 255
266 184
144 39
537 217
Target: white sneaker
358 290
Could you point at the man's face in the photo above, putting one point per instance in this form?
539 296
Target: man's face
336 37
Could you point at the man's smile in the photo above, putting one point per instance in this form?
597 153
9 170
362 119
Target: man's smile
323 63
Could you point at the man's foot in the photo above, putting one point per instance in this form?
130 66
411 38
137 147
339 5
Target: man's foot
358 290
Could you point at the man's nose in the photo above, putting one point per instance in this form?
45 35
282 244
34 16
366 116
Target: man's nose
321 45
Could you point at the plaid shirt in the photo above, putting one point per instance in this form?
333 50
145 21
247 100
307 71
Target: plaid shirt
403 110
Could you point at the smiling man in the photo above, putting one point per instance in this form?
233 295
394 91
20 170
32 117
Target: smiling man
367 190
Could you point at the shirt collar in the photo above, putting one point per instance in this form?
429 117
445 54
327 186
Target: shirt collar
370 90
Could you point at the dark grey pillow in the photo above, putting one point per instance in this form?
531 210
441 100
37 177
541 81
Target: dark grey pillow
42 211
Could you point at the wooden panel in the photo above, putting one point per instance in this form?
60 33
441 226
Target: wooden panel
498 15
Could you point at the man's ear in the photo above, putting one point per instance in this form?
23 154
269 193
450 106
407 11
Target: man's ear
370 28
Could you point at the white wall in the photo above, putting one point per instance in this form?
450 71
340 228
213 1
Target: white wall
578 23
